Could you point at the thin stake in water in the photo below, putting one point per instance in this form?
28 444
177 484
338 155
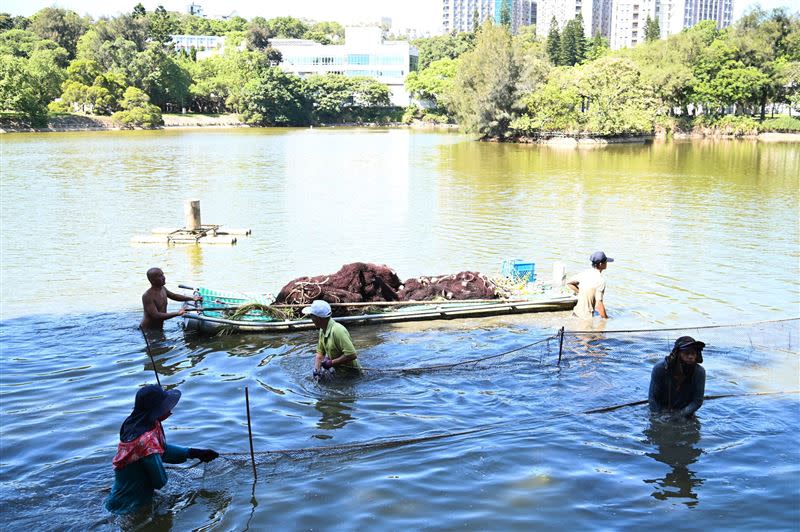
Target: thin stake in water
250 433
152 360
560 343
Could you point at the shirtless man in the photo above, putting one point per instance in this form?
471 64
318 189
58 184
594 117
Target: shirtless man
154 301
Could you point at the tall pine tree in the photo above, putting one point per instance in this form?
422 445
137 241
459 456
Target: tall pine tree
567 50
505 13
652 30
580 39
553 42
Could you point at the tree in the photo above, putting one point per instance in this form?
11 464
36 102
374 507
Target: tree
568 49
451 46
326 33
369 92
476 20
328 95
596 48
554 106
652 30
138 11
61 26
274 99
29 84
616 102
484 90
137 110
287 27
162 25
554 42
433 83
258 34
505 13
166 82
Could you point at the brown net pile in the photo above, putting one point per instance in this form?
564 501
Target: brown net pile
361 282
353 283
459 286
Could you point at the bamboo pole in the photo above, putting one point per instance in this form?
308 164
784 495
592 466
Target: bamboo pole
150 353
560 343
250 433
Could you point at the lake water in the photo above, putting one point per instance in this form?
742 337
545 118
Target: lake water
704 233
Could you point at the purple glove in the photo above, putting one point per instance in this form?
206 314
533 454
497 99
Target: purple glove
327 363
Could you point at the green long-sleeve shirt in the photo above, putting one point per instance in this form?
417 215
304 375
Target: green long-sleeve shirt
135 484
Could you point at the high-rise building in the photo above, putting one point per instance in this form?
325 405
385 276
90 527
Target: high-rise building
629 17
596 15
460 15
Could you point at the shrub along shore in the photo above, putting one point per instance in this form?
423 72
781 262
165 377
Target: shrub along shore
784 129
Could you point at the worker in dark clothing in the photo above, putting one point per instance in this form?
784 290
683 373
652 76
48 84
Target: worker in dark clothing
143 450
678 382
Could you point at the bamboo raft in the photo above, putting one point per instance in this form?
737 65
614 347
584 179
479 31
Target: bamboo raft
215 317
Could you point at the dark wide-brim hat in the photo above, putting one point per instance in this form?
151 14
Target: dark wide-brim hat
687 342
152 403
155 400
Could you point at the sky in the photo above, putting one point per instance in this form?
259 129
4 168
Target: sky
422 15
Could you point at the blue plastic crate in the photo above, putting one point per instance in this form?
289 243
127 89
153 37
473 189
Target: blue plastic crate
518 269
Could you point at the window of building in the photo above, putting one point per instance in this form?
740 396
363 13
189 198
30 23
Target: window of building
357 59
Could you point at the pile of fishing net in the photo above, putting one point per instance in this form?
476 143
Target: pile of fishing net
361 282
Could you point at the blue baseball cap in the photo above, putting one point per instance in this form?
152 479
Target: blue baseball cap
599 256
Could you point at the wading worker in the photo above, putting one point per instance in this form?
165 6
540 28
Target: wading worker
143 450
335 348
678 382
590 285
154 301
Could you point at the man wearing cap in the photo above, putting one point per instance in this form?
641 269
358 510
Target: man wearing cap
678 382
590 285
335 348
143 450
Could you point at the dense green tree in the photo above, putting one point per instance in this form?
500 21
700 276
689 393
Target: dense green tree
165 81
329 96
433 83
325 33
484 90
29 84
61 26
554 106
137 111
451 46
476 20
652 30
274 99
596 48
287 27
259 33
554 42
616 101
139 11
369 92
22 43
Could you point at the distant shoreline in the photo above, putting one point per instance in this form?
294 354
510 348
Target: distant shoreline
66 123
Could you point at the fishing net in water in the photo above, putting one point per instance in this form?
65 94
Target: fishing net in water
762 340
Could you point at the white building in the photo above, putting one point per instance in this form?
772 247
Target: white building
201 43
629 17
596 15
459 15
364 53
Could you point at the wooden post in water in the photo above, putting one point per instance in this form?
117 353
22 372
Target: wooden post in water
150 353
191 214
560 343
250 433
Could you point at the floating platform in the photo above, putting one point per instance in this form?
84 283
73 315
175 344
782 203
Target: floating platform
205 234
